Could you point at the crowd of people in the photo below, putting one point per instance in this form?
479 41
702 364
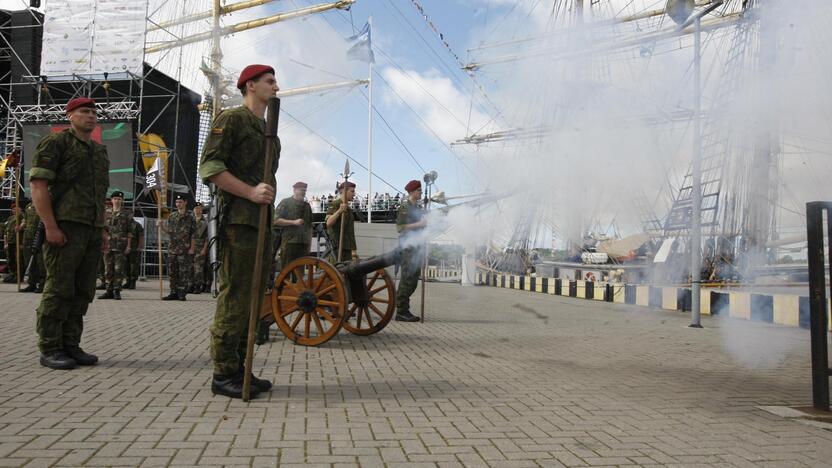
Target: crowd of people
69 180
381 202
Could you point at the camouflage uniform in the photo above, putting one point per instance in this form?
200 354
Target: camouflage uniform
200 239
181 228
295 240
37 272
334 231
236 144
119 227
9 235
413 256
78 177
134 258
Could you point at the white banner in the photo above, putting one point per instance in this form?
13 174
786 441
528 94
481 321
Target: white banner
90 37
155 179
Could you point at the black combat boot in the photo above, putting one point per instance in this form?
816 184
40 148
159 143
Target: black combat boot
406 316
30 288
10 278
117 295
261 385
196 289
101 286
39 288
80 356
57 360
173 296
232 386
107 295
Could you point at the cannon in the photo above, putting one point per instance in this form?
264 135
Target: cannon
313 299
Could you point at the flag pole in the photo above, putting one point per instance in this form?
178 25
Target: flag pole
370 134
159 200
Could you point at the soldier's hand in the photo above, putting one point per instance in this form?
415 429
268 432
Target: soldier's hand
298 222
56 237
127 251
203 252
191 251
262 194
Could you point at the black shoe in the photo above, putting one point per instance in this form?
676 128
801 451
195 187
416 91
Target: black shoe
10 278
80 356
232 386
57 360
101 286
262 385
182 296
39 288
117 295
30 288
107 295
171 297
196 290
262 335
406 317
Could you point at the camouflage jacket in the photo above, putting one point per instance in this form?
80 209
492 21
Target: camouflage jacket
181 228
292 209
235 144
334 231
409 213
78 174
138 231
200 234
31 219
9 226
119 226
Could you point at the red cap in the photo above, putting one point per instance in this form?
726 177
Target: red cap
346 184
299 185
413 185
252 72
79 102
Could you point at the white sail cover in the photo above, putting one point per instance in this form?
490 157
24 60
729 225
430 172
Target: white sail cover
91 37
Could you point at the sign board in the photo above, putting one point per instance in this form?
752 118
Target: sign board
155 176
91 37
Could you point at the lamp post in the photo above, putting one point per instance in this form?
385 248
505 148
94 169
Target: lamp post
676 9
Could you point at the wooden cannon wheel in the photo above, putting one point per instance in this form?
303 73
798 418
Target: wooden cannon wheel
309 301
371 315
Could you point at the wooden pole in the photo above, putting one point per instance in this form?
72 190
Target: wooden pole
17 225
159 202
425 263
263 225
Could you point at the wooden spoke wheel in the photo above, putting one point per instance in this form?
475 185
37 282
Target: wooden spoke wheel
309 301
365 317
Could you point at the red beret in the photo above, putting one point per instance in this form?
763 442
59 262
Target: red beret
413 185
299 185
79 102
252 72
13 206
346 184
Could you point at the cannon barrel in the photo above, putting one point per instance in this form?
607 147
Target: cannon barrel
363 267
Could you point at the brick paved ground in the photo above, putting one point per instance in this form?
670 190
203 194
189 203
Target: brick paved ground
496 378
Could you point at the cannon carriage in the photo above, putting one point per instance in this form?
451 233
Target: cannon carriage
313 299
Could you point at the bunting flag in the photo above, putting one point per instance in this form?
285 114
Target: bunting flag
362 46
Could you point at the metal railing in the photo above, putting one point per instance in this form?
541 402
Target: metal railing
820 250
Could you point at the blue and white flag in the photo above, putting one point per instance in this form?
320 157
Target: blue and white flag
362 46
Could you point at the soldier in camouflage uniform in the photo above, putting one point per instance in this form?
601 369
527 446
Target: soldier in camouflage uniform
294 218
134 258
200 251
102 270
333 224
233 159
36 273
181 227
410 222
69 180
13 225
118 229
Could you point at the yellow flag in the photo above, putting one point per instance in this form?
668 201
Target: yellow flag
3 169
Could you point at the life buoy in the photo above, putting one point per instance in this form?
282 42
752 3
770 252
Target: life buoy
589 276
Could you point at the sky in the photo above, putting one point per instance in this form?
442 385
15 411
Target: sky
599 157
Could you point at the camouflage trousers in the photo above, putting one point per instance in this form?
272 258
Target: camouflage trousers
11 258
291 252
115 265
200 262
180 272
411 266
101 271
133 265
229 332
37 273
69 288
